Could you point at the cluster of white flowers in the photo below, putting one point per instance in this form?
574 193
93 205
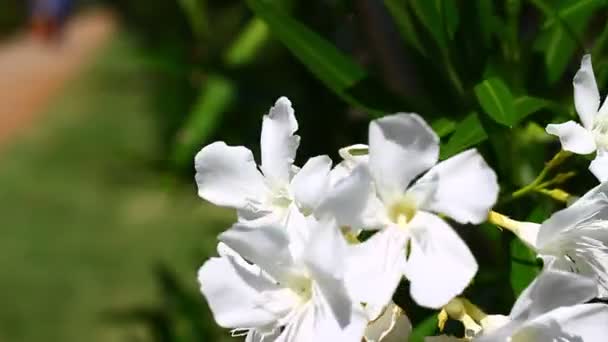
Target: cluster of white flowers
295 267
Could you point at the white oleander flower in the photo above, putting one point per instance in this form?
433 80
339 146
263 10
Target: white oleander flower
382 193
228 175
593 134
259 288
551 309
575 239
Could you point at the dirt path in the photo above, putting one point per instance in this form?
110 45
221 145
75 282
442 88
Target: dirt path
32 72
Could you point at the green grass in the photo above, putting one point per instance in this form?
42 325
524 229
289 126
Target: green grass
87 213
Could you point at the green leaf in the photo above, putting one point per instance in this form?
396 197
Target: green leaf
428 327
562 32
327 63
524 267
403 19
526 105
249 42
216 96
443 126
439 17
496 100
196 10
487 19
467 133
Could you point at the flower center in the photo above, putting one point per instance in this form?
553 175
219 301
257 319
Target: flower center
402 210
281 198
600 130
301 288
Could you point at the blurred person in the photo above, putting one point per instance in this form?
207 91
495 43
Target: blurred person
48 18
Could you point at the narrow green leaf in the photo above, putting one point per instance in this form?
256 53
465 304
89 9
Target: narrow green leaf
439 17
526 105
524 267
428 327
487 18
216 96
196 10
496 100
327 63
467 133
248 43
562 32
403 19
443 126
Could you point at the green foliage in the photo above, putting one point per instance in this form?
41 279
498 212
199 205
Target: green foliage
467 133
497 101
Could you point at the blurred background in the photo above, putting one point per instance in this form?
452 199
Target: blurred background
103 105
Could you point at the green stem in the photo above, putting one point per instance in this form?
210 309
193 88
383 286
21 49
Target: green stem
537 183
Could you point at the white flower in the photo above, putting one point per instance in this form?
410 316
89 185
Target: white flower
228 175
593 134
551 309
382 193
271 295
576 238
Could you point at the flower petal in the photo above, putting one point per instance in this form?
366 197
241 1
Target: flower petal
552 289
278 142
233 294
574 137
310 184
599 166
583 322
466 187
350 201
265 246
435 246
227 176
325 259
392 326
375 267
401 146
586 94
592 206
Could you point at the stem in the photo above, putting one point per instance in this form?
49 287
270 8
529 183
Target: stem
557 194
537 183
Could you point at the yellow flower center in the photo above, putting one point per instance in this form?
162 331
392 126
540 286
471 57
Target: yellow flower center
402 210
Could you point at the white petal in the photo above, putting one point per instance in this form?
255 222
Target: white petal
310 184
227 176
392 326
552 289
599 166
375 267
586 95
315 323
466 187
401 146
278 142
583 322
574 137
440 265
325 259
592 206
233 294
267 247
349 201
